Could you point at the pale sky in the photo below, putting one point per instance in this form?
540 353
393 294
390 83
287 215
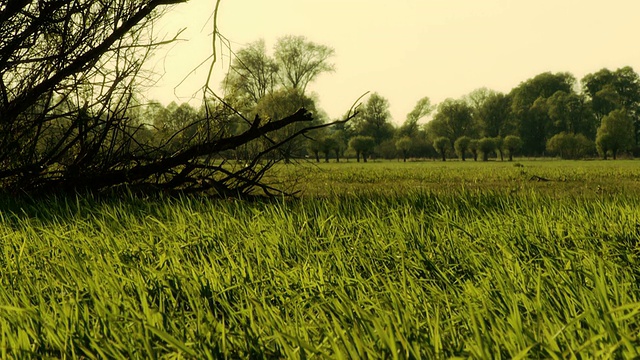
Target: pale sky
408 49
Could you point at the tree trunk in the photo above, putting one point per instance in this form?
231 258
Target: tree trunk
444 156
317 157
510 156
358 156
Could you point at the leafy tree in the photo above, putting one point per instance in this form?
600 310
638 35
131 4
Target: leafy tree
276 105
614 90
615 134
569 146
461 146
570 113
530 112
314 147
453 120
442 145
486 146
512 144
473 148
493 115
422 109
300 61
404 145
499 142
362 145
328 145
252 75
374 119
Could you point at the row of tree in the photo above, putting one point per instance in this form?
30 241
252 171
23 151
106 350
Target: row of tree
550 114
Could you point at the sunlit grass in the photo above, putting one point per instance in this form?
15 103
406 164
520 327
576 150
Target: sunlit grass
409 273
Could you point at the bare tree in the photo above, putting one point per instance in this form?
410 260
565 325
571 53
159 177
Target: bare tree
70 120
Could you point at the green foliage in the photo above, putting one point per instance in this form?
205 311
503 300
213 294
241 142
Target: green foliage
570 146
461 146
301 61
442 145
486 146
453 120
512 144
362 145
493 115
404 145
530 111
616 133
374 119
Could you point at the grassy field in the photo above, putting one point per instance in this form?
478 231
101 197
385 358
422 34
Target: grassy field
381 260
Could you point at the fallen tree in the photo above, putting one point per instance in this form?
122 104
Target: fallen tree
69 73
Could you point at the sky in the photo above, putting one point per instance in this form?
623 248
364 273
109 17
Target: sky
406 49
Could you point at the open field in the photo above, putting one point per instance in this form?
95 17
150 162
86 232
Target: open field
382 260
576 178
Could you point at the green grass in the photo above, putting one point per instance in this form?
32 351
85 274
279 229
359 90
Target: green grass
509 268
578 178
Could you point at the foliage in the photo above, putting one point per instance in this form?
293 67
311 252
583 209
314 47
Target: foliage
374 119
570 146
529 108
410 126
442 145
473 148
362 145
512 144
301 61
616 133
493 115
461 146
486 146
404 145
453 120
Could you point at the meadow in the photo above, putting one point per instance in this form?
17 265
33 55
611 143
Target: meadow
378 260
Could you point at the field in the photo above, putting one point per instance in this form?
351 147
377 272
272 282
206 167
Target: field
381 260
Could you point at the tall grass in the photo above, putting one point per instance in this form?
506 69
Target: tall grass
486 274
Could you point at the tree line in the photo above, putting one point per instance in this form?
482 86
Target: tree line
551 114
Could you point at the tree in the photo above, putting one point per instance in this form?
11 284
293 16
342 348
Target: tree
569 146
252 75
473 147
404 146
314 147
486 146
327 146
442 145
614 90
362 145
499 142
69 75
530 112
301 61
493 115
277 105
422 109
615 134
453 120
570 113
374 119
512 144
461 146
